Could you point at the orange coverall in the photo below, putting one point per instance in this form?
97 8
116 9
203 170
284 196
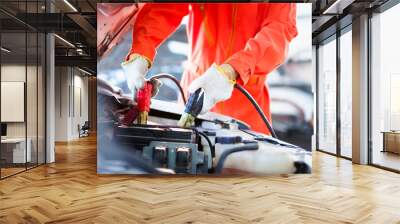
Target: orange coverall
253 38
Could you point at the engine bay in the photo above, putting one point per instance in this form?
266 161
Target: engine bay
214 145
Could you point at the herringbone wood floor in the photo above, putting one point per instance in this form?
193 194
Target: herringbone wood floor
70 191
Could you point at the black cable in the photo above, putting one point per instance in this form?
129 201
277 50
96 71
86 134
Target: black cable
212 147
226 153
237 86
176 81
259 110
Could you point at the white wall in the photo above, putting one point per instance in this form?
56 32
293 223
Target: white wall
14 73
71 93
61 103
80 94
33 126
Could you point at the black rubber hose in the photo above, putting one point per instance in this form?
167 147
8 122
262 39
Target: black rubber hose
226 153
172 78
212 147
259 110
237 86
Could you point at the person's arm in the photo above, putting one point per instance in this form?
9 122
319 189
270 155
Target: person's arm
270 43
154 23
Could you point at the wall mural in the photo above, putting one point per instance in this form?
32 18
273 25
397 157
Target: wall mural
204 88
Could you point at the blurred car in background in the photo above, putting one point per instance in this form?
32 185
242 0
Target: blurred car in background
292 100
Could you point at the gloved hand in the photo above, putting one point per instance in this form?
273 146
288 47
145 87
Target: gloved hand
217 83
135 70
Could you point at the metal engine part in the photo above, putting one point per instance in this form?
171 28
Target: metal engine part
143 135
168 147
180 157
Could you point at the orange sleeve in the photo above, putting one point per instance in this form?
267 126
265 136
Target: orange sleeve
268 48
154 23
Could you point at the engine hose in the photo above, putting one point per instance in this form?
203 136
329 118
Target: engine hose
237 86
258 108
172 78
